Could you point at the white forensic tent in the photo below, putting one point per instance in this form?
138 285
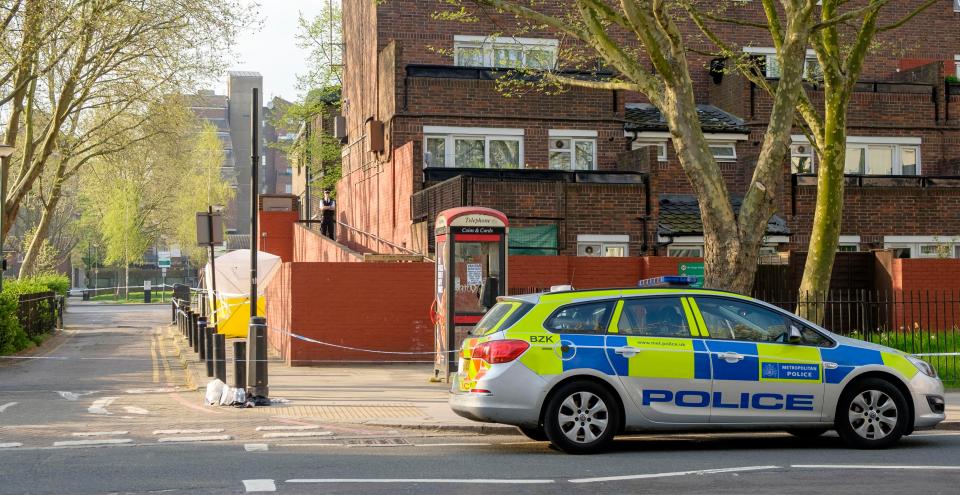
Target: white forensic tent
233 288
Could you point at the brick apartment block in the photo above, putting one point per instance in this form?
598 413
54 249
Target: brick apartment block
588 171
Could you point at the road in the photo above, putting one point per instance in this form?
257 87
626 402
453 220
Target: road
102 410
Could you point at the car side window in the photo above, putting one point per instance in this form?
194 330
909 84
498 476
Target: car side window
653 317
809 336
735 320
581 318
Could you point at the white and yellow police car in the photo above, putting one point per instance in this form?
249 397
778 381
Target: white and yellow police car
579 367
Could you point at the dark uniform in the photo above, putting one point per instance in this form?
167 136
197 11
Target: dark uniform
329 219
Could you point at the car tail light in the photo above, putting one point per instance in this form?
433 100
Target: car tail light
500 351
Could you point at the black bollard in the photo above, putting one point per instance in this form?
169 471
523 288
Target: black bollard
196 332
208 358
173 312
240 364
202 339
257 385
188 325
220 357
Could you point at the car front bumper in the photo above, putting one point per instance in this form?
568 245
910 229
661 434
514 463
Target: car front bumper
922 387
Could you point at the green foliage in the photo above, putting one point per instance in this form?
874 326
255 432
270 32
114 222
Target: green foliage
951 79
13 338
322 37
923 341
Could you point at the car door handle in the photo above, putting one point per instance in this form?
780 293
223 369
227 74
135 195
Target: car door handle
827 365
730 357
627 351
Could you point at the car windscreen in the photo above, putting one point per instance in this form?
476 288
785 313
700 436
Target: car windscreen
500 317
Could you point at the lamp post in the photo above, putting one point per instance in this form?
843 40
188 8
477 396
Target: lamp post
5 152
257 386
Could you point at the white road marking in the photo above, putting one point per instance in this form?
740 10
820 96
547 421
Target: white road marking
135 410
298 434
311 445
675 473
10 445
99 433
259 485
870 466
255 447
288 428
8 404
100 405
477 481
211 438
137 391
102 441
74 395
187 432
464 444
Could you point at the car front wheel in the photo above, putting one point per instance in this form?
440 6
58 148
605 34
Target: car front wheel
872 414
581 418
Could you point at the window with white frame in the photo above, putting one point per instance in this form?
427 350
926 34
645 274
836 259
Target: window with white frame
506 52
617 246
864 156
660 145
956 59
723 149
684 251
956 5
723 152
849 244
771 65
288 188
573 150
923 246
472 147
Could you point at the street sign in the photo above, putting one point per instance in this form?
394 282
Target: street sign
163 263
208 234
163 271
146 285
692 270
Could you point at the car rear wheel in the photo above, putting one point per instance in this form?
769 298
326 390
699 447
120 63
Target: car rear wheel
872 414
533 433
807 432
581 418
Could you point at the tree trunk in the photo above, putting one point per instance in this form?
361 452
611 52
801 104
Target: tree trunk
828 212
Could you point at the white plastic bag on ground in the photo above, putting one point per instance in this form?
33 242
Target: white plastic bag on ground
214 392
232 395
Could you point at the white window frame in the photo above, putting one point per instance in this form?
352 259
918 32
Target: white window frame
575 136
450 134
956 58
487 44
673 248
660 139
732 157
915 244
661 147
604 242
849 241
899 144
770 54
956 5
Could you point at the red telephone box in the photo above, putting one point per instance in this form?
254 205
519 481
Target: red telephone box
471 271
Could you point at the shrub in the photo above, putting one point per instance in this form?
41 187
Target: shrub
13 337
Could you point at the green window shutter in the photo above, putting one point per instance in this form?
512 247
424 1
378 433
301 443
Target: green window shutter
540 240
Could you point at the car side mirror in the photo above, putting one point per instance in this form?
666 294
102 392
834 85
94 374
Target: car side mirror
795 336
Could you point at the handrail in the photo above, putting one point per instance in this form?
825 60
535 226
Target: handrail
368 234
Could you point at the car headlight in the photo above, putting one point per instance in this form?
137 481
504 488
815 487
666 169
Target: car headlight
923 366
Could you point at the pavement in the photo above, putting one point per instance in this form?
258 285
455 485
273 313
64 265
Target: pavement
105 407
388 395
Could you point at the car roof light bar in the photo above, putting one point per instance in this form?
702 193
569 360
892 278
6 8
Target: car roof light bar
668 281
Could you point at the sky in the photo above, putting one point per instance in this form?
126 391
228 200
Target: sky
271 49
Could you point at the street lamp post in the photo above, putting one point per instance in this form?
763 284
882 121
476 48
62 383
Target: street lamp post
257 385
5 152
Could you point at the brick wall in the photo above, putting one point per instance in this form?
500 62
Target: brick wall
926 292
276 232
364 305
310 246
542 272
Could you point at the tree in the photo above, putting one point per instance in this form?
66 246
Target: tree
75 58
643 42
841 41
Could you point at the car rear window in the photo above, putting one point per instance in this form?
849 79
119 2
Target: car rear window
500 317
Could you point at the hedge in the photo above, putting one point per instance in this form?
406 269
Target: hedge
12 337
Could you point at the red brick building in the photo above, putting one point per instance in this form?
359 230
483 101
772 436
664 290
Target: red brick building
592 172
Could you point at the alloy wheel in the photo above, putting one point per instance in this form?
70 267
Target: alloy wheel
873 414
583 417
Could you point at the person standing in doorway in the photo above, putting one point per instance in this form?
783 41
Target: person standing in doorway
328 210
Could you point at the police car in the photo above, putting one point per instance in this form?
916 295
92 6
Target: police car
579 367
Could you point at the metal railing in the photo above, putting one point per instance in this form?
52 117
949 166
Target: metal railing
40 313
925 322
380 242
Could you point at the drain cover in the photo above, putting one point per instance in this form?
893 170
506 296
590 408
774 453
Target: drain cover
375 442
